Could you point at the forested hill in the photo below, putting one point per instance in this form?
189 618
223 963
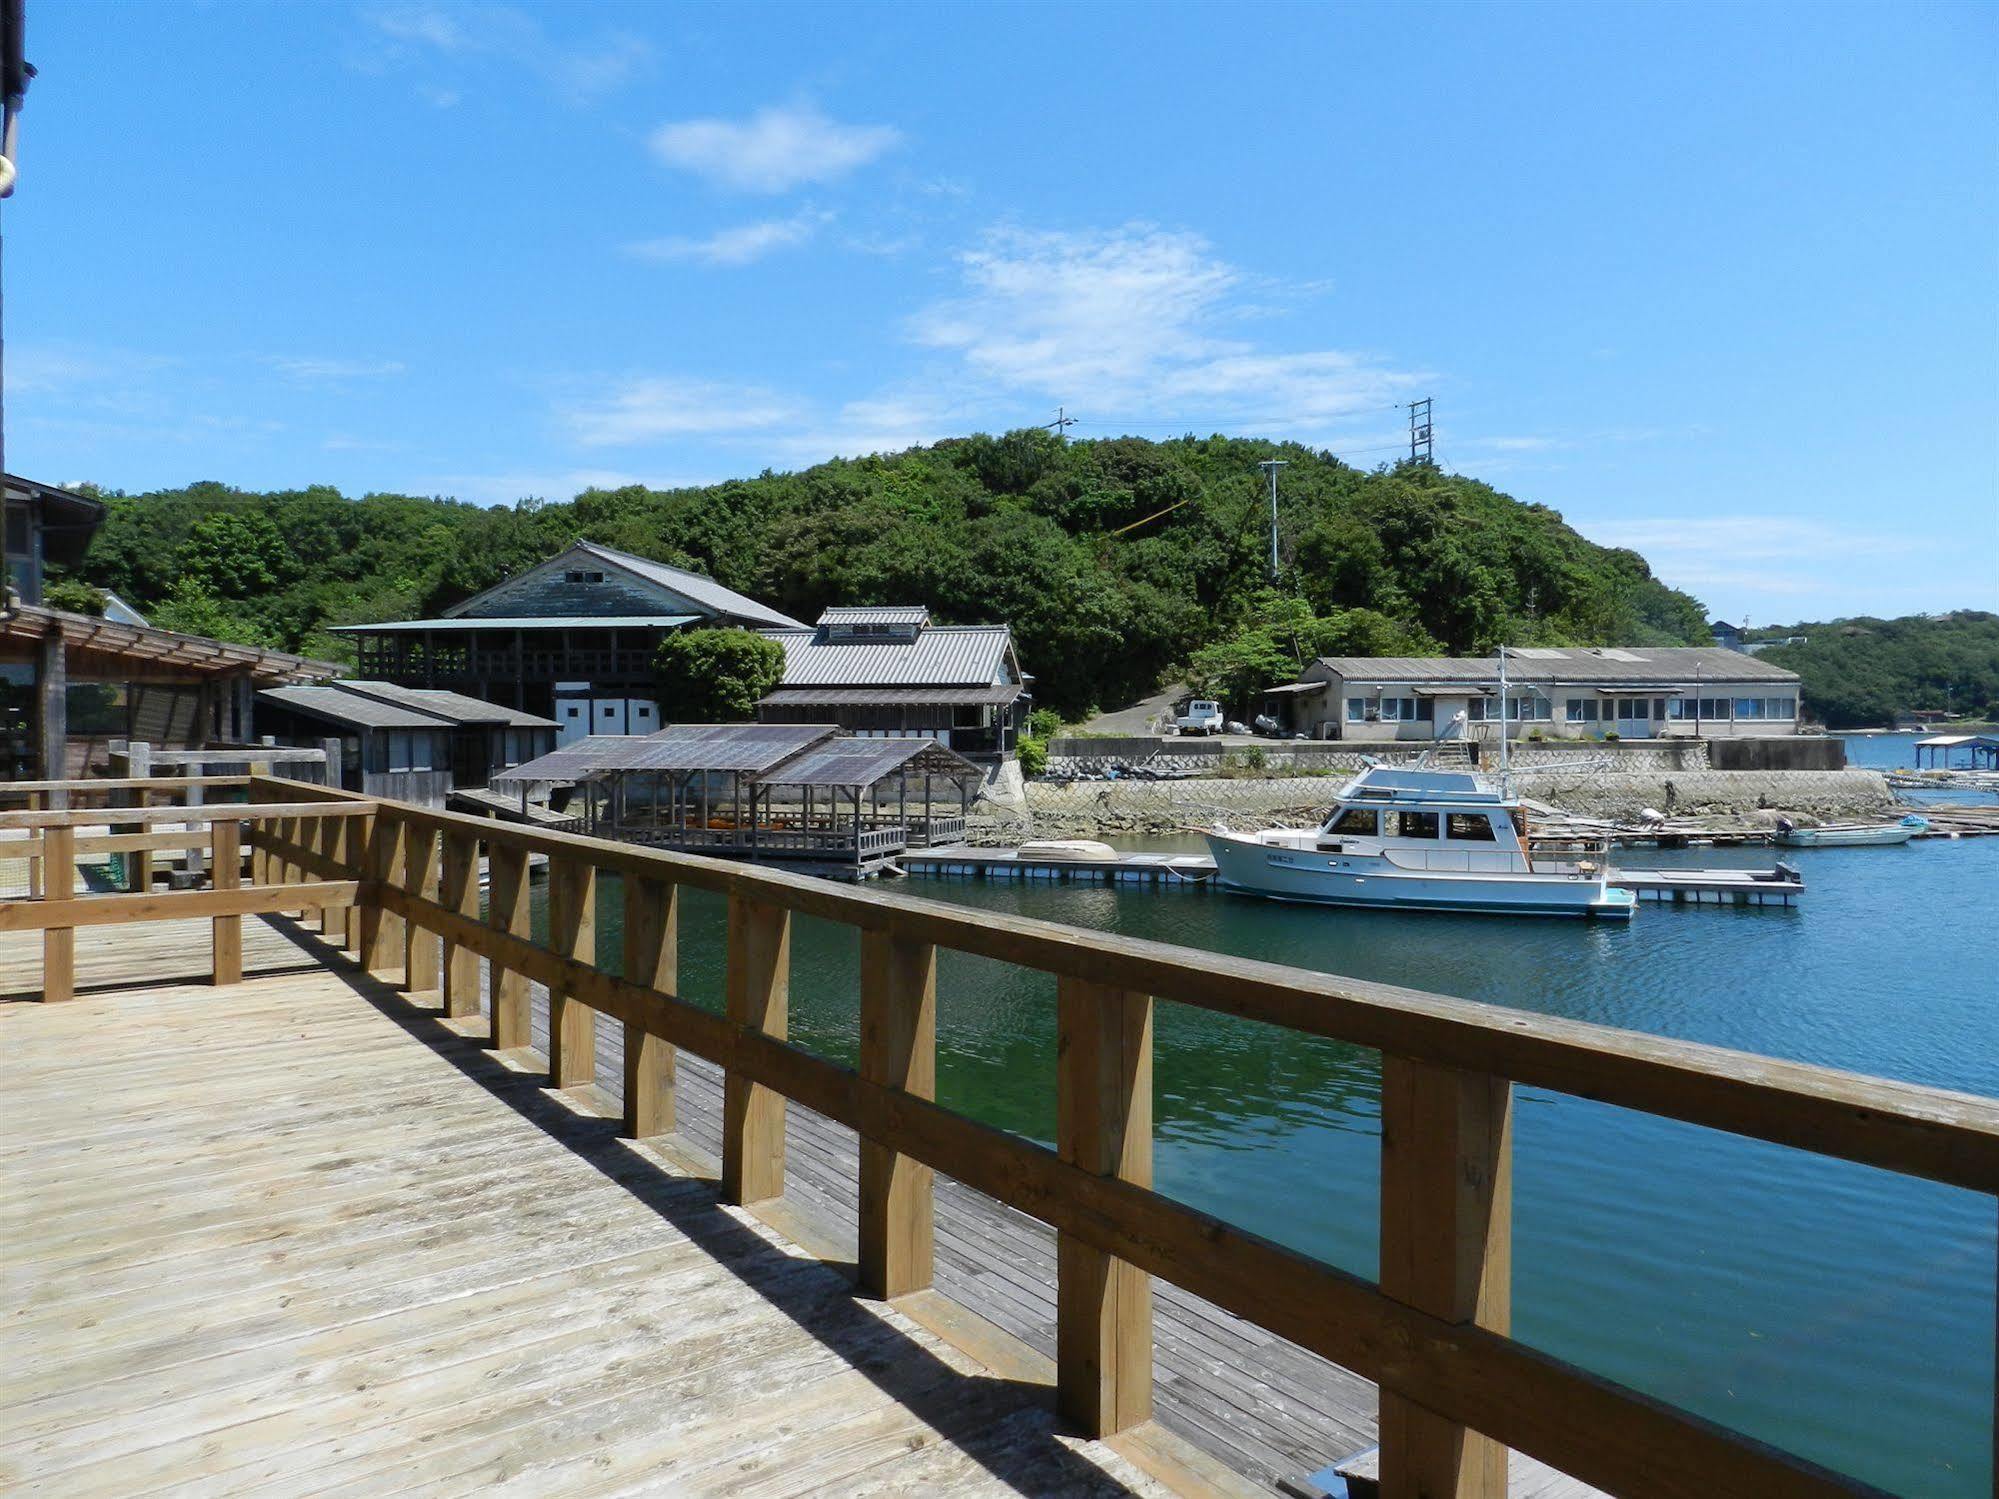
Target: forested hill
1114 560
1859 673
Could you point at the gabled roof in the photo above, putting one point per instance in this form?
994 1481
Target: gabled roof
941 656
705 594
69 519
731 748
383 705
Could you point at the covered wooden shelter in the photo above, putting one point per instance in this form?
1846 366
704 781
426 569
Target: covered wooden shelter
805 792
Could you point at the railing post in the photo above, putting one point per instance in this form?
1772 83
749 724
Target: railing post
572 932
652 958
759 999
381 928
58 943
420 958
898 1050
36 862
507 910
1103 1306
326 843
460 894
225 846
1446 1249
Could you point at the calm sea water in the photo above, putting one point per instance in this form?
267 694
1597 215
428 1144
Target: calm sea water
1842 1312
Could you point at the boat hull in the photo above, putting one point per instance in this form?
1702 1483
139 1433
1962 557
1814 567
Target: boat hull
1846 837
1303 876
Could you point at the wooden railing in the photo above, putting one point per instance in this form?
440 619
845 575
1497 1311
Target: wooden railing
1456 1390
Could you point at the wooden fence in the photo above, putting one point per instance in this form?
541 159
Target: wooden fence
1456 1389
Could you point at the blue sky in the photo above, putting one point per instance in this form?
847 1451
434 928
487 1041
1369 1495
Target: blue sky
1721 283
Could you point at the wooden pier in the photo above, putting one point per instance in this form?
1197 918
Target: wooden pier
390 1215
1740 887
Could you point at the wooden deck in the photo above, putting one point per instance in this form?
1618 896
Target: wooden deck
295 1236
352 1242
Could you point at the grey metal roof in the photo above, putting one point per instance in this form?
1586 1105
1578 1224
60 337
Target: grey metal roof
529 622
862 762
745 748
1644 666
454 707
352 708
941 656
839 697
875 614
692 585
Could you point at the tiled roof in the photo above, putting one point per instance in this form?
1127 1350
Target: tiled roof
875 614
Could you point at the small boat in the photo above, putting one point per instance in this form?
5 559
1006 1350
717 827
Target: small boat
1419 840
1068 851
1850 834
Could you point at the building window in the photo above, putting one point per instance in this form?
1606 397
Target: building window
1409 824
579 575
1356 709
1470 827
1582 710
1749 707
1356 822
1407 709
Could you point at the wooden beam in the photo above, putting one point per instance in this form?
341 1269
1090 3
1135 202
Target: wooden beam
329 834
572 932
421 948
174 905
58 942
459 891
652 960
1446 1249
1103 1303
226 932
381 929
508 912
759 1000
84 817
898 1050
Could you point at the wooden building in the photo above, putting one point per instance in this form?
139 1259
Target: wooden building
572 638
888 672
417 744
807 793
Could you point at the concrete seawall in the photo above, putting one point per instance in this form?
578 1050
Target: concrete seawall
1086 807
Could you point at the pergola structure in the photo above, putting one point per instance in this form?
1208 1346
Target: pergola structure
57 648
1978 752
807 792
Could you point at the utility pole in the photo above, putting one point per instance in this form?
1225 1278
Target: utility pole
1063 421
1270 466
1421 448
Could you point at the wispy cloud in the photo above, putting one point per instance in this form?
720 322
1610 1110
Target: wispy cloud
410 35
1141 320
740 245
655 408
772 151
307 367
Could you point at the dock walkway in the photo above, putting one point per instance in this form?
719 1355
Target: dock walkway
457 1280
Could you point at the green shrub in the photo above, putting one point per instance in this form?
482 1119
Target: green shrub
1610 736
1255 758
715 676
1044 723
73 597
1033 756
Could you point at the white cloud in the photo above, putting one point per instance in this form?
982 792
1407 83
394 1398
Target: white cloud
739 245
772 151
313 367
657 407
410 35
1138 320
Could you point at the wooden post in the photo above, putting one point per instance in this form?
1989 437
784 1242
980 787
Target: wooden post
139 863
225 845
1103 1306
58 943
421 954
572 932
759 999
507 910
52 709
381 929
36 802
460 894
1446 1249
652 957
330 833
898 1050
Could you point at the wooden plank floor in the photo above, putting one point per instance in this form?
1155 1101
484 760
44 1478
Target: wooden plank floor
1268 1412
293 1237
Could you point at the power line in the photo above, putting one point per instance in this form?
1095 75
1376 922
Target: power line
1063 421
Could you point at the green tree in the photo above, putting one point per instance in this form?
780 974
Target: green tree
193 610
715 676
73 597
236 556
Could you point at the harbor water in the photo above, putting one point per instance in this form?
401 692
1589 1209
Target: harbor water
1842 1312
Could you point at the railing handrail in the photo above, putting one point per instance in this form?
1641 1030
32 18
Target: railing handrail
121 783
1912 1128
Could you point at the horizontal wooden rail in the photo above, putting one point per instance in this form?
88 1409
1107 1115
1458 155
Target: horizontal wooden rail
202 812
16 849
119 783
175 905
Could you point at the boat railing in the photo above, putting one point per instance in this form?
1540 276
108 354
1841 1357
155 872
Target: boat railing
399 887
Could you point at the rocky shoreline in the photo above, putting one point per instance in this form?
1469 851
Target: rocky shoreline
1724 798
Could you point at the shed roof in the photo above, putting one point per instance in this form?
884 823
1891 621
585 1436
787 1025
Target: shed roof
837 697
383 705
351 709
145 650
1641 666
941 656
1958 741
744 748
862 762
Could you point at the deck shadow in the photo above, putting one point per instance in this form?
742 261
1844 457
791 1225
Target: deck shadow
970 1411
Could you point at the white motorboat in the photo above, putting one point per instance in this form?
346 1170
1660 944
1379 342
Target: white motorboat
1419 840
1851 834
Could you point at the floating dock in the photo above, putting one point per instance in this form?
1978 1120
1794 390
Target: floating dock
1740 887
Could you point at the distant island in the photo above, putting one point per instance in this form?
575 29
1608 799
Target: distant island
1864 673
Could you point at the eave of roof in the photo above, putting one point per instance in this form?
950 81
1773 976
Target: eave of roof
194 653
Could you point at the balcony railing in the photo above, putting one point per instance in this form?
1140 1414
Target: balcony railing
401 886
